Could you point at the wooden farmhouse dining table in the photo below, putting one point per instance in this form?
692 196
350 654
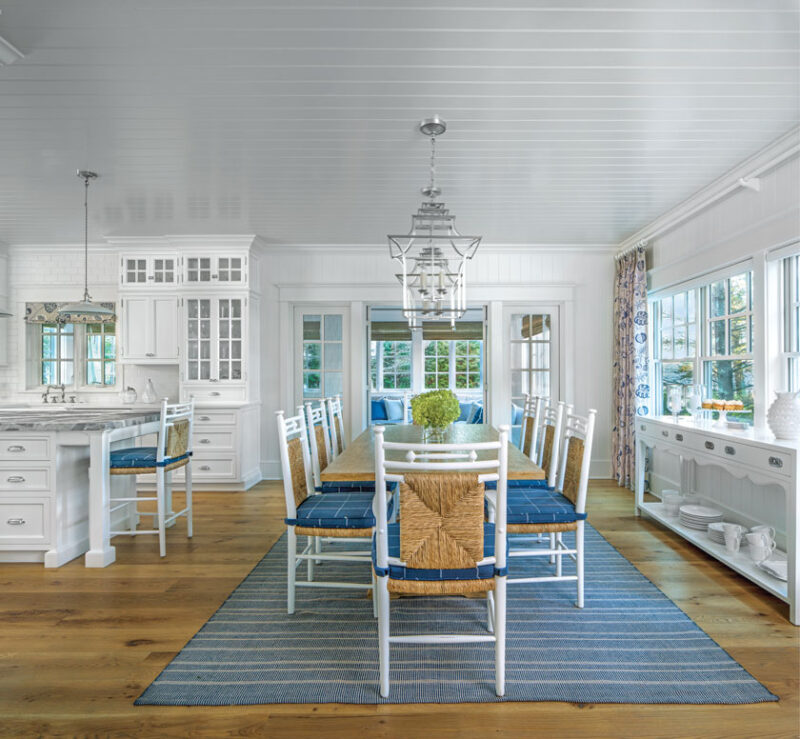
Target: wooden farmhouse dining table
357 462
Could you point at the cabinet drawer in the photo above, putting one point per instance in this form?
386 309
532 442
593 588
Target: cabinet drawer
216 394
24 521
15 447
204 418
214 467
764 460
208 440
21 478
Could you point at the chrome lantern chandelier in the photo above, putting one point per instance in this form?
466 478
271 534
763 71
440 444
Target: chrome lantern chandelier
433 255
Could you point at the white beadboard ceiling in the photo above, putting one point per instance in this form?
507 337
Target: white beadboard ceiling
570 121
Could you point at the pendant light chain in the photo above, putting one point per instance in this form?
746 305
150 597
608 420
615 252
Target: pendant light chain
433 164
86 238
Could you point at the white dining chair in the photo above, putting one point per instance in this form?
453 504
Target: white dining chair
346 517
173 450
335 425
441 544
531 426
542 511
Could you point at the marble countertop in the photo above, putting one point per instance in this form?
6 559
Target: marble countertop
73 418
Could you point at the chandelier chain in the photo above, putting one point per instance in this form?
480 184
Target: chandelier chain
433 164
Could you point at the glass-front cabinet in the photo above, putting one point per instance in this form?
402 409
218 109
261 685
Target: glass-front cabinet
200 269
215 339
149 270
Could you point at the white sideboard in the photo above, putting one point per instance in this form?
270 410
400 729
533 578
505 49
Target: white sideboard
768 463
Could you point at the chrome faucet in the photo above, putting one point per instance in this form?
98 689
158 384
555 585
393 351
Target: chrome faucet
46 394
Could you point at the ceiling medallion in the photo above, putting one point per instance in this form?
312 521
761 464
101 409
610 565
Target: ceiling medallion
433 255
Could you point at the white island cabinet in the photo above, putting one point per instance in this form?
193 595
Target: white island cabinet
772 499
54 481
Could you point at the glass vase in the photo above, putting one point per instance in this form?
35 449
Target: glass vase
434 434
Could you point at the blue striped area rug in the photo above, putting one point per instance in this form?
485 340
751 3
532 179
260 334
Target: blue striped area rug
630 644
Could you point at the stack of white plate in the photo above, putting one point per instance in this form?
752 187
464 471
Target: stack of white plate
717 534
699 517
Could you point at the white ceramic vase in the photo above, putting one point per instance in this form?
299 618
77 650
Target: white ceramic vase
783 416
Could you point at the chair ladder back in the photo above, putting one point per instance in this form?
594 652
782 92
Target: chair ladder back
318 438
576 458
336 425
441 501
530 437
295 460
552 423
175 431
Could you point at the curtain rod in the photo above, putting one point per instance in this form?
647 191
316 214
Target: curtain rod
750 182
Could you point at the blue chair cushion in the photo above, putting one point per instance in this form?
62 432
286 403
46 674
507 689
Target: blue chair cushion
394 409
542 505
516 414
336 511
511 484
399 572
140 456
348 486
378 410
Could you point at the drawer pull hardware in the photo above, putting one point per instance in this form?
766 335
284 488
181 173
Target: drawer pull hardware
709 445
678 437
15 478
205 418
16 448
16 521
214 393
775 462
205 467
730 450
643 427
665 433
205 441
149 354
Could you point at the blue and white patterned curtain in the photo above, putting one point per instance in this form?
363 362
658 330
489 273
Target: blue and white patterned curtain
631 376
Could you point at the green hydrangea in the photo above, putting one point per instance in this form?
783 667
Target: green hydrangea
438 408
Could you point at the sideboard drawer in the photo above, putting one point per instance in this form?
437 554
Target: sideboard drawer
22 478
210 467
215 394
19 448
765 460
24 521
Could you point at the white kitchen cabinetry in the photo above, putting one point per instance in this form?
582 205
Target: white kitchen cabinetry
149 270
149 329
753 455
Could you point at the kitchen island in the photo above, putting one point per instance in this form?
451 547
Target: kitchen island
54 480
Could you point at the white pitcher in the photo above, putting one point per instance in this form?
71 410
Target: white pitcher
783 416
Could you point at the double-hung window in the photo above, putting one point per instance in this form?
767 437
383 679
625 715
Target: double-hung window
75 355
790 339
705 336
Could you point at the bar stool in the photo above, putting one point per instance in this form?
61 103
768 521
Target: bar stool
173 450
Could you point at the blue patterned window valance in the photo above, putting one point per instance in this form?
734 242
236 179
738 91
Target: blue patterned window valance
48 313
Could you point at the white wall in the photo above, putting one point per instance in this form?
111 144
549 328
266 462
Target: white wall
359 276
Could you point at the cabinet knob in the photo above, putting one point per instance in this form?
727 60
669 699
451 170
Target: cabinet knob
16 521
16 448
15 479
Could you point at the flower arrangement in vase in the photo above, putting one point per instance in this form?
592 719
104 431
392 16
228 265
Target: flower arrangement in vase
435 411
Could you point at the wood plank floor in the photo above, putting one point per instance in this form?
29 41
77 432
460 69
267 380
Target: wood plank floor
77 646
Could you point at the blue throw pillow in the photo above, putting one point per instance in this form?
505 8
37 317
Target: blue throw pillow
475 414
516 415
465 409
394 409
378 412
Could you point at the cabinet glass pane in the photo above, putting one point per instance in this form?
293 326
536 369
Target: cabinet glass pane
198 332
229 351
